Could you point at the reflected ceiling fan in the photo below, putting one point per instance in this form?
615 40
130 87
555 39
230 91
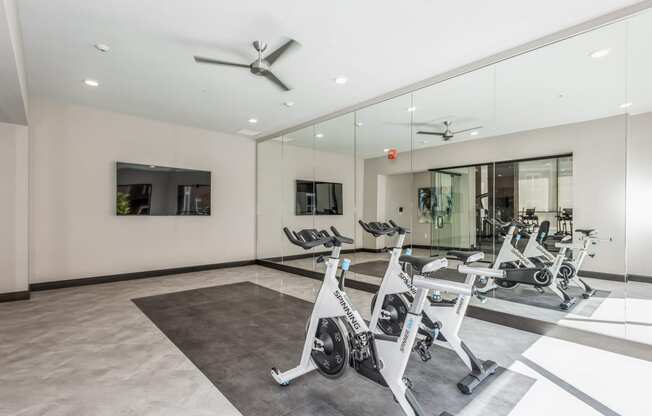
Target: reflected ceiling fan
261 66
448 133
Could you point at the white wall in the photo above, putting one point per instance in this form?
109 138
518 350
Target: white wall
74 230
639 192
13 208
279 166
598 149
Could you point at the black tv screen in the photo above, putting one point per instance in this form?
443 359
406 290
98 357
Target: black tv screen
318 198
160 190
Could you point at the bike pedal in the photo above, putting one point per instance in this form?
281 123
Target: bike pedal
424 352
408 383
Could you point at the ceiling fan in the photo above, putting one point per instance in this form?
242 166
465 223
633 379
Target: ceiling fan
261 66
448 133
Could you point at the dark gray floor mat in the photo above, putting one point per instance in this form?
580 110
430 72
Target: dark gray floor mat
377 268
527 295
235 333
522 294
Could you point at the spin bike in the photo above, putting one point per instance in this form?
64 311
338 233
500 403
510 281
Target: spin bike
525 271
442 318
337 337
539 255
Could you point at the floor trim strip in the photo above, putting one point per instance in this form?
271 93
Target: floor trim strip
60 284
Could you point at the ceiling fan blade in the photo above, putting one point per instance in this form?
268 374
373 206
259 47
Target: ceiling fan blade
202 60
465 130
432 133
272 57
270 76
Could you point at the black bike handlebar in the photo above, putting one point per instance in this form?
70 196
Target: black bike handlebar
378 229
310 238
340 237
306 244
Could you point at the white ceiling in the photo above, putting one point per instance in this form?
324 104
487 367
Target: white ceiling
554 85
379 46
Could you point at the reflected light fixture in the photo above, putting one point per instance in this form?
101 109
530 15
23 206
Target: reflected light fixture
359 124
102 47
386 150
288 103
474 133
626 105
341 80
253 120
91 82
319 135
411 109
601 53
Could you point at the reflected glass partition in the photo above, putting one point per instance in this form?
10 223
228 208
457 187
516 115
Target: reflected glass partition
638 108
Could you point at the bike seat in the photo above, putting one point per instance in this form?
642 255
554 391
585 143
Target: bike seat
421 265
466 256
586 231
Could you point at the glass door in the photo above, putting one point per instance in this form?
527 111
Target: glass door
461 210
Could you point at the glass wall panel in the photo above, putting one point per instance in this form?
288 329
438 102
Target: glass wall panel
269 223
335 179
384 163
565 99
297 192
453 184
638 107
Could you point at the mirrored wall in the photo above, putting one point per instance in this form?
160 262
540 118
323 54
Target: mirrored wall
545 154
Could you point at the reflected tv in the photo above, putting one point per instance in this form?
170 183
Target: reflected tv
160 190
318 198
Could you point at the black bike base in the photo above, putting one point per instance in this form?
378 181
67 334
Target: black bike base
589 294
567 304
471 381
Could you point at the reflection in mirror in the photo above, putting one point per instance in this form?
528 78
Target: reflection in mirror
328 198
639 177
269 200
461 208
562 100
297 191
383 146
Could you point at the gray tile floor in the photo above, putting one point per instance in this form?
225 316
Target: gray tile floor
91 351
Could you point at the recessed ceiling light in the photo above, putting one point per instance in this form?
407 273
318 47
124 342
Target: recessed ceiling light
385 150
411 109
601 53
626 105
359 124
288 103
474 133
253 120
247 132
283 139
341 80
152 166
91 82
319 135
102 47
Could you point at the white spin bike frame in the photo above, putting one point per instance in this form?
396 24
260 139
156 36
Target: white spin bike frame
510 254
393 353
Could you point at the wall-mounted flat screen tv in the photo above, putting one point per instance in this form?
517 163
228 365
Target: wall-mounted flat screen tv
160 190
318 198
